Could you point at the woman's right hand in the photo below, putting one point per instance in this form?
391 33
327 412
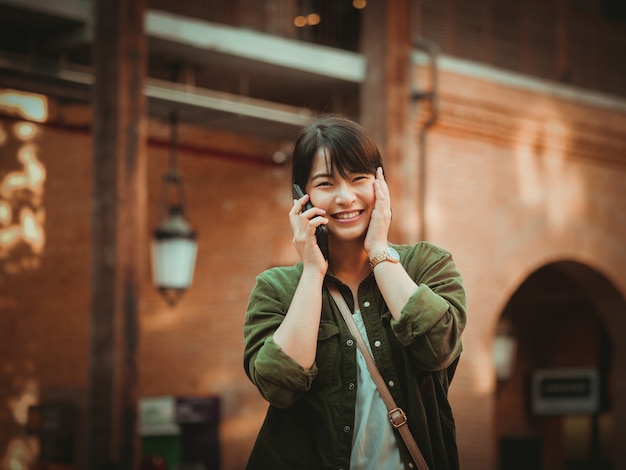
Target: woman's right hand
297 334
303 224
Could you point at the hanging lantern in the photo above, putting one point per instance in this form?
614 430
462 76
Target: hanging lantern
174 245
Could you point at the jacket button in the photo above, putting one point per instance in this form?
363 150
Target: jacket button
346 429
349 342
366 304
351 386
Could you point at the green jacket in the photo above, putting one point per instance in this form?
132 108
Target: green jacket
311 413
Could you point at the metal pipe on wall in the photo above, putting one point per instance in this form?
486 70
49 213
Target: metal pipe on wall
432 96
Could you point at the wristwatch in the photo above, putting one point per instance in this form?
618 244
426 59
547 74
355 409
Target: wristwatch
388 255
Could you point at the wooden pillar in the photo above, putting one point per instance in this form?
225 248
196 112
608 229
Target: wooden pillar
385 104
118 220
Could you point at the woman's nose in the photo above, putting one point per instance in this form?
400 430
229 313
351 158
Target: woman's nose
345 194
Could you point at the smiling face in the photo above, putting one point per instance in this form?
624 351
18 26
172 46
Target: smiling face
347 198
335 161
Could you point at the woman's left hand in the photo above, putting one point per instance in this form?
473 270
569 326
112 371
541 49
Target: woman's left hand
378 231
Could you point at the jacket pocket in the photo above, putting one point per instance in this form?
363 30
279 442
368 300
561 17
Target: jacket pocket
327 350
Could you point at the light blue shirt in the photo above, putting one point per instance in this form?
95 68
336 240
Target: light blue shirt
374 445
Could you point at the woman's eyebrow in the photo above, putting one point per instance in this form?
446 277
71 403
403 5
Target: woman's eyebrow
321 175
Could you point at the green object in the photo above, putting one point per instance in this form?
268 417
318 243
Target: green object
314 409
167 447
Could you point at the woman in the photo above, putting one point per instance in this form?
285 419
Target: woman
325 411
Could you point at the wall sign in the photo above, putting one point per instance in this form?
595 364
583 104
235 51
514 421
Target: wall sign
565 391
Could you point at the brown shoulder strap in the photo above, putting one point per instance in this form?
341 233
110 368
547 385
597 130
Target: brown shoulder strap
397 417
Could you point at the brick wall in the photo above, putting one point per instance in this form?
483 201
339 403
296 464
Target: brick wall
516 179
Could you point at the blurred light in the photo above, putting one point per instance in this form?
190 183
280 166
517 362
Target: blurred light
504 349
9 238
5 213
313 19
20 454
25 130
22 214
359 4
28 105
279 157
32 229
29 397
31 177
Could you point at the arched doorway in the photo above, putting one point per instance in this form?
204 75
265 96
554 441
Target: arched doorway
555 399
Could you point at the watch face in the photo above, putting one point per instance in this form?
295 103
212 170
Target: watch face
393 254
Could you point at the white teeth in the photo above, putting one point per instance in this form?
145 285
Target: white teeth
347 215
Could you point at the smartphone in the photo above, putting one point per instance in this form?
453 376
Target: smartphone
321 233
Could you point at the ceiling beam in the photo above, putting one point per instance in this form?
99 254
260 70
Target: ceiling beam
185 32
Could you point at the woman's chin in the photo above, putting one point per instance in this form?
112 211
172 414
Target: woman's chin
348 236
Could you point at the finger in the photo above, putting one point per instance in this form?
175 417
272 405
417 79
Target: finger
294 208
317 221
380 177
381 191
298 204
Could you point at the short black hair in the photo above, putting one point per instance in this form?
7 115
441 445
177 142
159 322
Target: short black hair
349 147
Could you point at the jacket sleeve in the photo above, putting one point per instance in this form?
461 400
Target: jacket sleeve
432 321
280 379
